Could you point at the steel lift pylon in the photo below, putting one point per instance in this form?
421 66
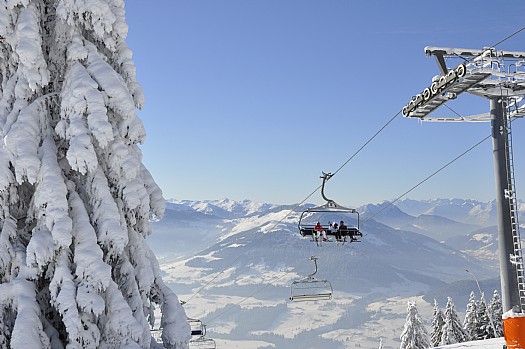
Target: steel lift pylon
500 77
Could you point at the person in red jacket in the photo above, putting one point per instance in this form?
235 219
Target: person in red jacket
319 230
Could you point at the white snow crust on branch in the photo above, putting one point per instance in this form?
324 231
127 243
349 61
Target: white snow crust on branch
82 105
6 176
157 203
106 215
50 201
28 330
95 15
22 140
32 65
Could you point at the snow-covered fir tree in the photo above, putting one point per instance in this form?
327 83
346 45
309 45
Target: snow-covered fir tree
75 198
470 324
437 325
496 311
452 329
414 335
485 330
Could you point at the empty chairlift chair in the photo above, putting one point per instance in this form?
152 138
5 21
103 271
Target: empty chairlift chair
197 327
202 342
332 209
198 335
310 288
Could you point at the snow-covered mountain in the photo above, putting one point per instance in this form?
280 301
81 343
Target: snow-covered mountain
190 226
246 255
423 219
224 208
464 211
386 213
482 244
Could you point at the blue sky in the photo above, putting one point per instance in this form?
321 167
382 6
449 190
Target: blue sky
251 99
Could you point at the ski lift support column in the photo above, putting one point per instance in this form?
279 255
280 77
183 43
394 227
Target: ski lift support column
500 77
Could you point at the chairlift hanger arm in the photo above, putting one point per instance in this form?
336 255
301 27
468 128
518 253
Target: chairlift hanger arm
314 259
325 177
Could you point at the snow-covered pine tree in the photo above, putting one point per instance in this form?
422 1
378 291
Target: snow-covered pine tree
75 198
484 328
437 325
470 324
496 311
452 329
414 335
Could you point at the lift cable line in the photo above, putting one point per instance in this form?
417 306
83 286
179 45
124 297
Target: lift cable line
423 181
427 178
294 208
510 36
510 193
273 281
420 183
250 245
366 143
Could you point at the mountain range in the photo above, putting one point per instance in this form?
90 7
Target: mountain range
234 262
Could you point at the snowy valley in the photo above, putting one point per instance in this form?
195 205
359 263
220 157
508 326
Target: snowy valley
233 262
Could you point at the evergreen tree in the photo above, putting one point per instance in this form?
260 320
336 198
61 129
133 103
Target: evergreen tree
470 325
484 329
415 335
452 329
496 312
437 325
75 198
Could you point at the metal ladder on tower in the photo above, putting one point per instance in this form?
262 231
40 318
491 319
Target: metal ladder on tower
510 194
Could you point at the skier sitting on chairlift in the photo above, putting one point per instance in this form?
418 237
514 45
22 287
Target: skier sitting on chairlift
318 231
343 229
337 232
333 229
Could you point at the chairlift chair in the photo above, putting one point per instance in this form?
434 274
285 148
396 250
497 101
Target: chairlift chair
197 327
202 342
307 229
310 288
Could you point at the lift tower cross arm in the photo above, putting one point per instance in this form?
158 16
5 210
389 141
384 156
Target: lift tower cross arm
486 73
467 52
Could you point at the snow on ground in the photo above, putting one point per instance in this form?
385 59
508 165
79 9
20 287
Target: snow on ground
222 343
256 273
496 343
305 316
390 314
386 323
201 306
261 274
245 304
